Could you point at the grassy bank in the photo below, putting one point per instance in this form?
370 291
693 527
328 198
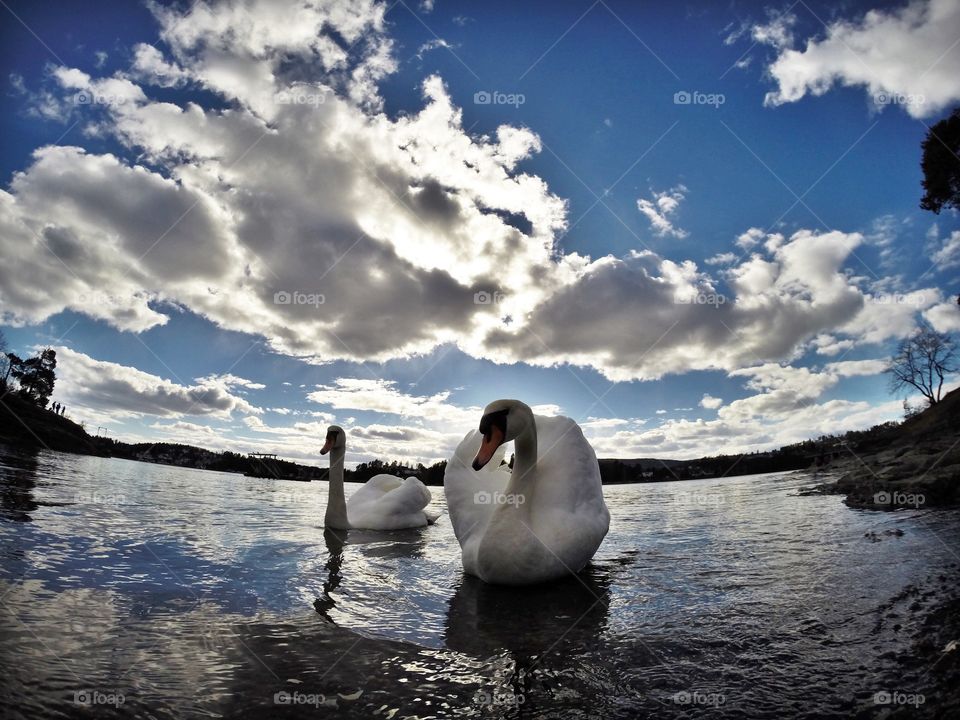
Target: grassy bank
24 424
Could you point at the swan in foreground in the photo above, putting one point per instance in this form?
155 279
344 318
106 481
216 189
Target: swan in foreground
543 521
384 502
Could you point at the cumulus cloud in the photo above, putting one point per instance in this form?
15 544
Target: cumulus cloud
906 55
643 316
296 209
749 239
119 391
661 208
786 407
710 403
944 317
383 396
300 212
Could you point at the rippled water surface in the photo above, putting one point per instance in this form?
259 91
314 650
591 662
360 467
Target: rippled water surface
185 593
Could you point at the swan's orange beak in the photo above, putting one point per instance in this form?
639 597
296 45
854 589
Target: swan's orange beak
488 447
328 444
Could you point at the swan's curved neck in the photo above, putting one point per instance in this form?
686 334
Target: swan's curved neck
525 462
336 515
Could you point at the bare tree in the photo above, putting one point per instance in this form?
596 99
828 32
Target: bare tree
922 361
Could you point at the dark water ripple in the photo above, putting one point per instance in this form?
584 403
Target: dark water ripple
190 594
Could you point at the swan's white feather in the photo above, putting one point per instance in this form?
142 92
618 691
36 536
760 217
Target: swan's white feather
386 502
461 484
562 521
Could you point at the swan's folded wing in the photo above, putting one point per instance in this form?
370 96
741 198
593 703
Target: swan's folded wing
467 489
386 501
564 453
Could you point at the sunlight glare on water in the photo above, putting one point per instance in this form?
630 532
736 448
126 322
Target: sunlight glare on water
197 594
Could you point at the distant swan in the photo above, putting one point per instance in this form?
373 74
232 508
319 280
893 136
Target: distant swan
544 520
384 502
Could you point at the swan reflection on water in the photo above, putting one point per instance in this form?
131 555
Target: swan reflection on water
527 622
510 635
516 628
407 544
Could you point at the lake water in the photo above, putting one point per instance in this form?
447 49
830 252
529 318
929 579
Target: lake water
150 591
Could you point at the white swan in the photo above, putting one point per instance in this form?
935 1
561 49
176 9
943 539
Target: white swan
544 520
384 502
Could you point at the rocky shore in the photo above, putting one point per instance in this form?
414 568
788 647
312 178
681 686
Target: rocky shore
915 464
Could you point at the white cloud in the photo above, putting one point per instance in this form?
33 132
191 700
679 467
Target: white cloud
230 381
661 208
383 396
296 182
150 66
239 218
947 255
777 31
750 238
116 391
710 403
855 368
785 408
906 55
435 44
829 345
726 258
944 317
643 316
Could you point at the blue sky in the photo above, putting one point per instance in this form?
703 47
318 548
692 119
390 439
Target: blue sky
682 278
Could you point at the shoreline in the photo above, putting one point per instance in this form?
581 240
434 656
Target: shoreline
913 464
